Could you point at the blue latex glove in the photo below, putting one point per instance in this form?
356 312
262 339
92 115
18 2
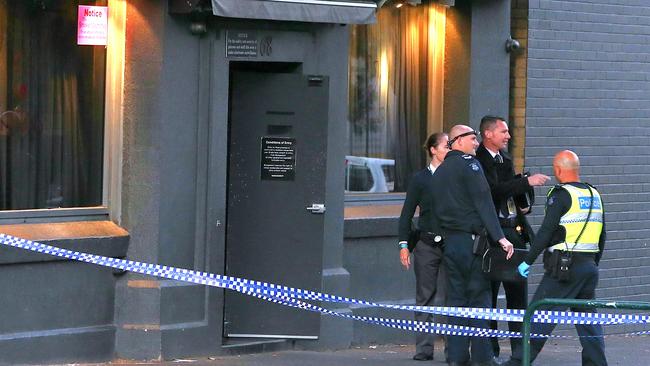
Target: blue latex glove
523 269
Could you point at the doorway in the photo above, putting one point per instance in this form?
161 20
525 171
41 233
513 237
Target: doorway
276 194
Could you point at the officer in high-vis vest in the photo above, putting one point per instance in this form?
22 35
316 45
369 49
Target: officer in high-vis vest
572 237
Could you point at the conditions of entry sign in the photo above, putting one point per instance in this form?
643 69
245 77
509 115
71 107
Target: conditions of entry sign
278 158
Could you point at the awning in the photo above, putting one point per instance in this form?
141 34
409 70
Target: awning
319 11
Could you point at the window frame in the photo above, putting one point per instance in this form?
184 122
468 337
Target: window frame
113 117
369 199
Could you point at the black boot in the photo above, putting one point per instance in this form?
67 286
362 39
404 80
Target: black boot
422 357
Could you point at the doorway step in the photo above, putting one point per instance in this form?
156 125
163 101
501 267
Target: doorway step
243 346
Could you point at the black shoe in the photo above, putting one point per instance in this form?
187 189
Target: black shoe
423 357
493 362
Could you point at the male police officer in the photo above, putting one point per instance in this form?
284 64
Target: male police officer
463 209
505 186
573 233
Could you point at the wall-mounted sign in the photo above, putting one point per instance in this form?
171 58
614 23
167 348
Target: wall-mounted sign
241 43
92 25
278 158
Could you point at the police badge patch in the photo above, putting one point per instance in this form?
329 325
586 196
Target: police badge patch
474 167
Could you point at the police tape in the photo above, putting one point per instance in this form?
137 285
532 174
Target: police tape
293 297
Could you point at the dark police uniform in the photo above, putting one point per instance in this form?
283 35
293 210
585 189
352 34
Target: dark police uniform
427 255
566 213
463 208
500 174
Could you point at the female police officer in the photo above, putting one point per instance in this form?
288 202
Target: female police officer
427 254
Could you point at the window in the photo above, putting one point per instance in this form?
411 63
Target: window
396 90
372 175
358 178
52 108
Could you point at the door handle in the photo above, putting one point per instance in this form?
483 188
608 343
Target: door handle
316 208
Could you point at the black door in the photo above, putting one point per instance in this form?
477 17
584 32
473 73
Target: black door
276 186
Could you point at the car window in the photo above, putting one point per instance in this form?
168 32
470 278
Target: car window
358 178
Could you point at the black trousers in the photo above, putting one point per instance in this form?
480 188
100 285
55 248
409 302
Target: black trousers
467 286
516 296
430 289
582 285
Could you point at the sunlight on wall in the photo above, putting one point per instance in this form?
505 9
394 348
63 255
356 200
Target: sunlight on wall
113 113
437 23
383 77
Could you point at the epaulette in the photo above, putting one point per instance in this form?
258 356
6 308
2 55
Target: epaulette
557 186
467 157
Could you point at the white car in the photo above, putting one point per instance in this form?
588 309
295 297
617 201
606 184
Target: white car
372 175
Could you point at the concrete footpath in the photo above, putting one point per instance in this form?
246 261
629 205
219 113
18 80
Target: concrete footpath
621 350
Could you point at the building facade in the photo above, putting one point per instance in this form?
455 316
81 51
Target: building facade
271 140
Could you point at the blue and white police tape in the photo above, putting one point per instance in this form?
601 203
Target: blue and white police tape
239 285
292 296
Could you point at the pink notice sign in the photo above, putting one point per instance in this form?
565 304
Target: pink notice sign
92 25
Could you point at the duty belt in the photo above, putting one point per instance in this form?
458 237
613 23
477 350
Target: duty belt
586 255
430 238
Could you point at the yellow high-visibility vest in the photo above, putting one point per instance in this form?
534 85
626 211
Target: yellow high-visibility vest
574 220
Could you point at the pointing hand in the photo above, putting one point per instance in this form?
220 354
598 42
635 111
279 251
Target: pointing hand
538 179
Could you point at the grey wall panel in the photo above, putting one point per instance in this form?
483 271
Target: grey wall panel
179 133
77 286
375 271
137 310
95 344
141 127
56 311
372 259
330 58
183 303
187 316
490 63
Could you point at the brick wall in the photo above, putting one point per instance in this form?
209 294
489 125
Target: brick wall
518 66
588 89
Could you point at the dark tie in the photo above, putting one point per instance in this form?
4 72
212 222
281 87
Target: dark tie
498 159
